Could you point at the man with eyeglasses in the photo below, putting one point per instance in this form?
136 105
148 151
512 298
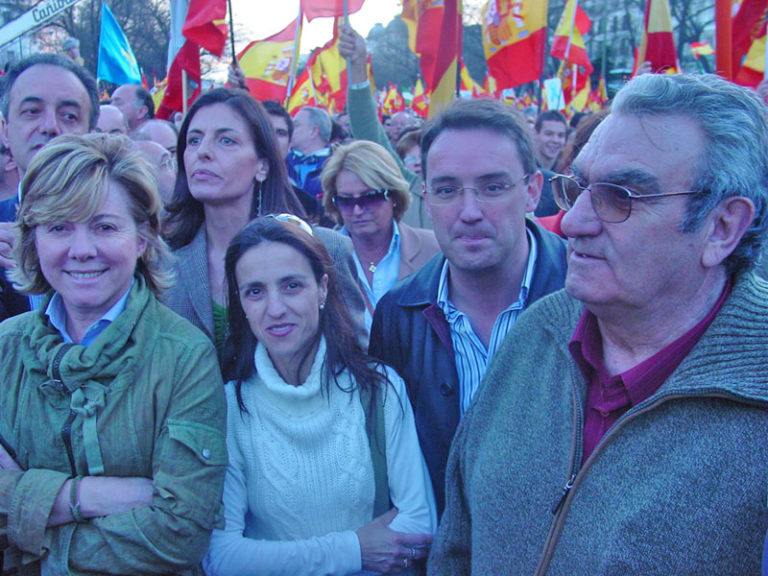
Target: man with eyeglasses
440 328
622 427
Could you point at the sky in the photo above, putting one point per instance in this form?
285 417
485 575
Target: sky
316 33
262 18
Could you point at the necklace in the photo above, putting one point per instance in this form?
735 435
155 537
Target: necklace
372 267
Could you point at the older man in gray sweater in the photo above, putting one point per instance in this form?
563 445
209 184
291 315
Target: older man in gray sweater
622 426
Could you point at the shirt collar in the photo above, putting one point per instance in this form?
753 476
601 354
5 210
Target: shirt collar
57 315
641 381
443 298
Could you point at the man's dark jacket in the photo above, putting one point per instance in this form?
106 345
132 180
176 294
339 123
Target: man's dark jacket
411 334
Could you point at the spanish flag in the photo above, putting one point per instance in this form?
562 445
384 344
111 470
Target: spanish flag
206 24
438 43
748 40
658 43
393 101
514 36
268 63
568 44
303 94
410 15
329 73
420 103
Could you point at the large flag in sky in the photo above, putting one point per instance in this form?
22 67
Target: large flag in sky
203 22
514 37
410 15
748 41
206 25
329 8
328 71
117 63
267 64
568 43
438 44
658 43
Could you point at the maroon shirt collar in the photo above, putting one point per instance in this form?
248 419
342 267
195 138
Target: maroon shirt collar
609 397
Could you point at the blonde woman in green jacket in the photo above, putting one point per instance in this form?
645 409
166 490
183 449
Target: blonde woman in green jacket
112 411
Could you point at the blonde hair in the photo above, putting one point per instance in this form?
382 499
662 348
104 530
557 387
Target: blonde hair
374 165
68 180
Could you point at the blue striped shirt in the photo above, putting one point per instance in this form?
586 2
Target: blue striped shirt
469 352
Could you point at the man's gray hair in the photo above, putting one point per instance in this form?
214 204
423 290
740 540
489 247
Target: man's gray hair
320 118
735 157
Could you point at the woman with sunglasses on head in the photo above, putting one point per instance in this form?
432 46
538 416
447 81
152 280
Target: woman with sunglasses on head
325 471
230 171
367 196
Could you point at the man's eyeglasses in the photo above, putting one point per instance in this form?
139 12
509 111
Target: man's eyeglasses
490 192
612 203
367 200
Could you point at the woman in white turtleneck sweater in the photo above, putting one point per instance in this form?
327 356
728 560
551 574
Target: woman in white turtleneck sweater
311 463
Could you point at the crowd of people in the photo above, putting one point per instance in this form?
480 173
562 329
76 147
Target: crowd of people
491 343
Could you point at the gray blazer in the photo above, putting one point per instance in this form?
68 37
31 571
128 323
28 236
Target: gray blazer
190 296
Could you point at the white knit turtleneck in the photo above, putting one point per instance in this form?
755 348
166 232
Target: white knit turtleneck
300 480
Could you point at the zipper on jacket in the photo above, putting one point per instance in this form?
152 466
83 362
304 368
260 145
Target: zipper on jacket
66 431
560 510
564 494
557 508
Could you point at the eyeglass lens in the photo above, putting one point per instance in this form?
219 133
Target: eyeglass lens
610 202
365 201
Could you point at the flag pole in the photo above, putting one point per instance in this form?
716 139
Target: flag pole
723 38
184 90
295 61
346 23
232 31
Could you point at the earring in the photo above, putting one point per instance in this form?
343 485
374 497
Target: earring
322 306
261 184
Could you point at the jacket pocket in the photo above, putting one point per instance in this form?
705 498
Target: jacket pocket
205 442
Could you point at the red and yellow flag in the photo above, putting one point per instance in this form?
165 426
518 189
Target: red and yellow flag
303 94
568 43
438 43
410 15
393 101
658 43
748 41
514 36
329 73
187 60
206 24
420 103
752 70
598 97
328 8
576 86
267 64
